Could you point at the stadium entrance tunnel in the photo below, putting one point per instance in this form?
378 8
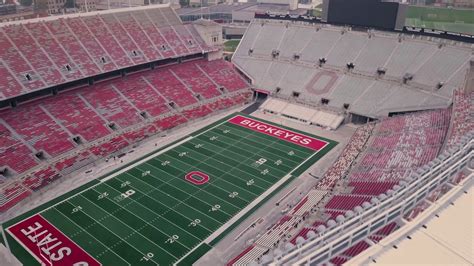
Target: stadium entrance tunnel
260 96
197 177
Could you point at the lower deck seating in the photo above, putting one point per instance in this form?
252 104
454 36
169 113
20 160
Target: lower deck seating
196 80
338 260
41 178
77 116
11 195
35 126
350 181
462 120
302 234
356 249
74 162
343 163
199 111
169 122
383 232
134 107
142 95
223 73
251 254
223 103
140 133
400 144
349 253
346 202
242 97
110 146
13 153
111 105
171 87
370 188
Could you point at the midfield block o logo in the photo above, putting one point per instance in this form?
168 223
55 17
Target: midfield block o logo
197 177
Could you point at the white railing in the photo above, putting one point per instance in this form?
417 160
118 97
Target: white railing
410 192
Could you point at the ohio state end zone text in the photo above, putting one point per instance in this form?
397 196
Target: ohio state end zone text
161 209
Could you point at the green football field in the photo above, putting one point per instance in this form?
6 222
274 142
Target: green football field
445 19
171 206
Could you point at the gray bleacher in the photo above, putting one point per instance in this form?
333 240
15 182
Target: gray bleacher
294 78
255 68
408 57
367 93
300 34
375 54
268 39
453 82
349 90
274 74
347 49
374 99
170 16
320 44
157 16
441 66
247 43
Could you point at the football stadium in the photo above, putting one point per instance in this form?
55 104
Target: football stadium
133 136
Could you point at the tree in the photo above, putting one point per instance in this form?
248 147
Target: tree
70 4
41 5
26 2
184 3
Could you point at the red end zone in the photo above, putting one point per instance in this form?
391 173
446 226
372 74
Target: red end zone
277 132
49 245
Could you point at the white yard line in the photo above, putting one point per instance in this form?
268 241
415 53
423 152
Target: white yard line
105 179
242 171
276 148
234 185
169 209
236 217
126 225
126 261
186 204
143 161
257 153
160 216
125 207
246 144
202 190
152 155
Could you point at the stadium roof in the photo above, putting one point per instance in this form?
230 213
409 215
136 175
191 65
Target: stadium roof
245 7
93 13
223 8
447 239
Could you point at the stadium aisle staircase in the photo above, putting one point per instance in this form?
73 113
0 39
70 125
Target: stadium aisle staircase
349 184
107 117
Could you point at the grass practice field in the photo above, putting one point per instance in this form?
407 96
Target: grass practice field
171 206
445 19
231 45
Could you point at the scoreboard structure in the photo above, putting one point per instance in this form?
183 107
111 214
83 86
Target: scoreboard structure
365 13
